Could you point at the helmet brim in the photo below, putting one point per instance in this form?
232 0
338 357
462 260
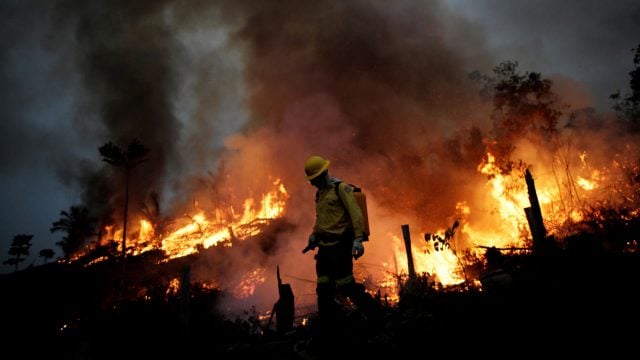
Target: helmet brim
324 167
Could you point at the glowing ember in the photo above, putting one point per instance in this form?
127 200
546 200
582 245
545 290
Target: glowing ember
96 260
586 184
207 285
173 288
247 285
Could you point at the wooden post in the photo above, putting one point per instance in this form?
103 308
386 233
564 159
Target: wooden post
407 244
533 227
185 296
284 307
534 213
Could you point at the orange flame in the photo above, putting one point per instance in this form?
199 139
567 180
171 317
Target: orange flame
443 264
247 285
504 223
207 230
173 288
206 233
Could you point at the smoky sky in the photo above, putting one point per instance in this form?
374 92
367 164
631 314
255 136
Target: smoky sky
589 41
182 76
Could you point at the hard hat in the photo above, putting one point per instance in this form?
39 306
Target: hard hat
314 166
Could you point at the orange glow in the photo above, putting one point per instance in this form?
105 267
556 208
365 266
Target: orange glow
173 288
206 230
443 264
96 260
207 233
209 285
247 285
586 184
508 221
490 213
501 221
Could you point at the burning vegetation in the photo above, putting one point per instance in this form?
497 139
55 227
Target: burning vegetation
210 176
182 237
192 218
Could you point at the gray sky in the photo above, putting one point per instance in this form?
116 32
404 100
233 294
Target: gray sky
48 122
589 41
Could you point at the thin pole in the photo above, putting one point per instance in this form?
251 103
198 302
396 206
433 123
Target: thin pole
407 244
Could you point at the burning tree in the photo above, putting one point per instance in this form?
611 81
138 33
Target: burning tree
580 195
127 161
523 105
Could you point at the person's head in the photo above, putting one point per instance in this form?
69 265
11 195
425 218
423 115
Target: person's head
317 171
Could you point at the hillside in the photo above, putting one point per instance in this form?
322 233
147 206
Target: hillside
560 298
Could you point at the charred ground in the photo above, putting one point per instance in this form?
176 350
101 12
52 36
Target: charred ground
572 294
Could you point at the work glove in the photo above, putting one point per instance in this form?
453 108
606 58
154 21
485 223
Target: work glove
357 249
312 244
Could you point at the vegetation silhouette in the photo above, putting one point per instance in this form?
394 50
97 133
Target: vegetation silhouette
78 225
19 250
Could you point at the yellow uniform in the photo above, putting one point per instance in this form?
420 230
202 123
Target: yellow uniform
339 231
337 216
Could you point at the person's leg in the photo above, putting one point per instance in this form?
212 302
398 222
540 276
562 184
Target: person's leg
328 309
363 300
354 291
326 288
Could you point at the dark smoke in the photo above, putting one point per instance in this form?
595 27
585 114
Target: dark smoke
124 58
380 89
373 86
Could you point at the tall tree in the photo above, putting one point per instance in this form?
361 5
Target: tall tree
628 108
127 161
523 104
19 248
46 254
78 225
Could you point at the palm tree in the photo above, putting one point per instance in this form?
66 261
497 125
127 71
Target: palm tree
115 156
78 224
19 247
46 254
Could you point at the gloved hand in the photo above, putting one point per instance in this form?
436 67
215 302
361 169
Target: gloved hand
312 244
357 249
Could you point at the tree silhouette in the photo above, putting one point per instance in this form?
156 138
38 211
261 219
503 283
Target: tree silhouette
523 104
628 108
46 254
19 247
78 225
114 155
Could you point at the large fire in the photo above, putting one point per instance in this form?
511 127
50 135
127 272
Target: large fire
564 196
499 222
203 230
